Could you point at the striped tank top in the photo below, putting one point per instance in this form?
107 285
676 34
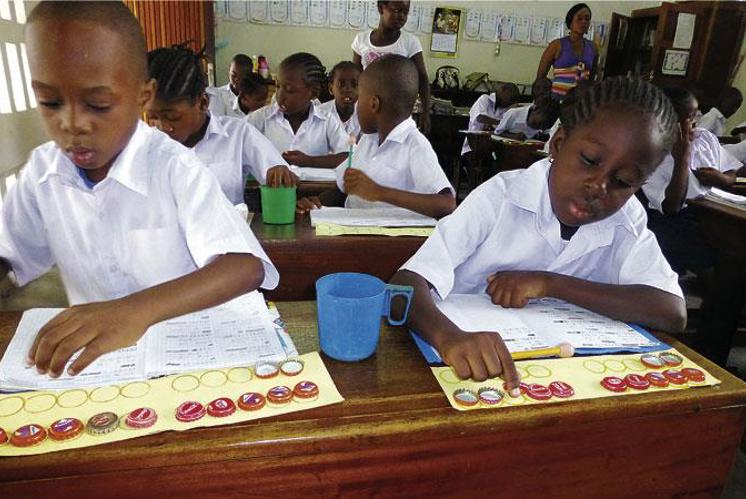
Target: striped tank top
569 69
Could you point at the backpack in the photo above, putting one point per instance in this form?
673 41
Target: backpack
446 78
477 81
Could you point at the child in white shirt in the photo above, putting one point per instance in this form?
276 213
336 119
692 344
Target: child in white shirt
568 227
343 81
393 163
714 120
137 225
489 109
223 99
388 38
231 148
304 135
525 122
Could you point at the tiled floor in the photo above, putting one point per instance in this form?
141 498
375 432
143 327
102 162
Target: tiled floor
48 292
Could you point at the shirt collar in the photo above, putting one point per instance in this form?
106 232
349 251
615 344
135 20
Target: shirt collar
216 127
401 131
313 113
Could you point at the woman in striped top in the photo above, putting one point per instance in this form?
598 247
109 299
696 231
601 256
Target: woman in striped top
573 57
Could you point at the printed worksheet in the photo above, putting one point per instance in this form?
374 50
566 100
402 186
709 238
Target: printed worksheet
380 217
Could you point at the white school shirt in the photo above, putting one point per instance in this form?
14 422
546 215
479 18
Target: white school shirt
405 161
232 149
351 126
507 223
514 121
552 131
406 45
706 153
485 104
319 135
713 121
221 99
737 150
158 215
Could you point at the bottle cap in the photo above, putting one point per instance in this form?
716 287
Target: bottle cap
675 376
694 375
306 390
561 389
221 407
280 395
490 395
190 411
466 397
251 401
66 429
657 379
102 423
637 382
652 361
3 436
539 392
28 435
266 370
292 367
144 417
614 384
671 359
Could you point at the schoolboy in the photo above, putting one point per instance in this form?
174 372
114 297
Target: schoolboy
137 225
223 99
526 122
714 120
393 163
488 110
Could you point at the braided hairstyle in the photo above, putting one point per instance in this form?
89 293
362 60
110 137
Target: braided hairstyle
178 71
621 94
341 66
314 73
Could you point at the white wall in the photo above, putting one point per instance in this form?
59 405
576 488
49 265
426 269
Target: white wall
740 83
515 63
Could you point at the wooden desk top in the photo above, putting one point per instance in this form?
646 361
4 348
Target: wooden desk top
729 212
301 257
396 434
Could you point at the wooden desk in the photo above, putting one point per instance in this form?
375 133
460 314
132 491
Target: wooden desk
396 435
490 157
302 258
725 228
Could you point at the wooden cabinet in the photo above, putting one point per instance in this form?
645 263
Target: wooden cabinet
641 43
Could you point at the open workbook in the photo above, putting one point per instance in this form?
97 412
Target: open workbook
380 217
238 332
541 324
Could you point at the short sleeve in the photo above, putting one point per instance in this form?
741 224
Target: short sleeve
655 186
413 45
256 119
259 154
216 105
507 121
357 43
211 225
479 107
728 161
336 136
427 175
23 238
457 237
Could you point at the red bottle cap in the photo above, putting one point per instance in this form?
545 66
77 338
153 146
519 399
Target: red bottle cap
65 429
523 387
675 376
251 401
693 375
190 411
652 361
561 389
144 417
539 392
671 359
306 390
28 435
3 436
466 397
280 395
637 382
220 408
657 379
614 384
489 395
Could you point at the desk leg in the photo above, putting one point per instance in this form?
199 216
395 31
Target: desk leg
722 308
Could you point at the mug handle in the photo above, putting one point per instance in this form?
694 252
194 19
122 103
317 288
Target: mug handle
393 290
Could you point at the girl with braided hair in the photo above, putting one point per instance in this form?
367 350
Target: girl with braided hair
305 136
230 147
568 227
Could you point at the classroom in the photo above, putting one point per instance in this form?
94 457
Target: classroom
359 247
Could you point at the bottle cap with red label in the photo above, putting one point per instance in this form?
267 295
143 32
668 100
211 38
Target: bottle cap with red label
637 382
3 436
280 395
28 435
614 384
306 390
693 375
144 417
561 389
657 379
221 407
102 423
66 429
538 392
251 401
675 376
190 411
671 359
652 361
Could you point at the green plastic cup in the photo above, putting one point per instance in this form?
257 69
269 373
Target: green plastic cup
278 205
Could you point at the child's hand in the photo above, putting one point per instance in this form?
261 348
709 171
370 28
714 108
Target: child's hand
98 328
480 356
713 177
281 175
295 158
304 205
358 183
513 289
683 146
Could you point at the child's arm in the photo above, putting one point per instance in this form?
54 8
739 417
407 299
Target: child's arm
433 205
487 120
713 177
472 355
330 197
102 327
302 159
675 193
640 304
424 119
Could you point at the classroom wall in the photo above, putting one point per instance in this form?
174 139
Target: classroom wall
515 63
21 130
740 83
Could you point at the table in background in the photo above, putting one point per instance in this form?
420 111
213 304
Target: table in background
397 435
301 257
490 157
725 229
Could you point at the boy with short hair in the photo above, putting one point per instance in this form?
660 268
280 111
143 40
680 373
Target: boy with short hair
525 122
137 225
224 100
393 163
714 120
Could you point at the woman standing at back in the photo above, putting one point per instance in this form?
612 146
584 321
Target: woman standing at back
573 57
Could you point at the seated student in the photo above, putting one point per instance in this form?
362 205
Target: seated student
231 148
304 136
541 87
489 109
697 163
253 92
525 122
343 81
137 225
567 227
393 163
714 120
223 99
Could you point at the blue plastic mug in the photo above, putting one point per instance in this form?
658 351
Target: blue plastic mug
350 307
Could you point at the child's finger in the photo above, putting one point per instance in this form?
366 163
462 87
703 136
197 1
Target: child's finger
491 361
477 367
510 373
57 319
460 366
91 352
49 342
66 348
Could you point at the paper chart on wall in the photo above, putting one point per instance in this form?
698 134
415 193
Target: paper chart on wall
278 11
318 14
488 26
471 27
427 13
298 12
237 11
259 11
338 13
556 29
522 30
413 20
538 30
372 14
507 28
221 9
356 13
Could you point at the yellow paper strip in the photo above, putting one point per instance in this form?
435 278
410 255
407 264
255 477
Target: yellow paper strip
326 229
